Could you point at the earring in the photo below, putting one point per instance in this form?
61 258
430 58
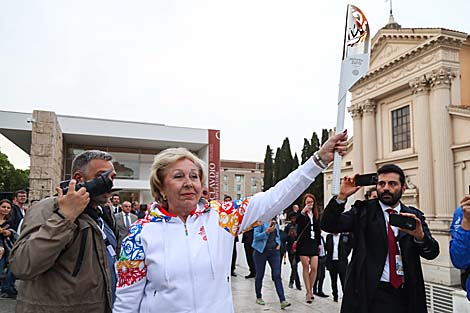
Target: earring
164 197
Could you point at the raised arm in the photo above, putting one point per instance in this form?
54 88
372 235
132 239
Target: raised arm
460 242
264 205
47 230
334 220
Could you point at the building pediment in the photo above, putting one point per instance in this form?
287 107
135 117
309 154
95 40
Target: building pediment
391 50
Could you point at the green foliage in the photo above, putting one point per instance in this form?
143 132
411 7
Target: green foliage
305 151
12 179
296 162
268 169
324 136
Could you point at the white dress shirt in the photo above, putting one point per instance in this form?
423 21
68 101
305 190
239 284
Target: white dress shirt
385 274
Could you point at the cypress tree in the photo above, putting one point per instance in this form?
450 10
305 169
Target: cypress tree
305 151
277 166
295 163
268 169
324 136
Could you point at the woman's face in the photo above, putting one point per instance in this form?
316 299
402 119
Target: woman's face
5 208
182 186
309 202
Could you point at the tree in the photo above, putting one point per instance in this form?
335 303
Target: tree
314 143
277 166
12 179
268 169
295 164
324 136
305 151
287 162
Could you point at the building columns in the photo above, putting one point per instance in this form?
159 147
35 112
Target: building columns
356 113
423 144
369 136
441 132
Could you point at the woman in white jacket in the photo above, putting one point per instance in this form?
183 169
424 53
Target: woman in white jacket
177 259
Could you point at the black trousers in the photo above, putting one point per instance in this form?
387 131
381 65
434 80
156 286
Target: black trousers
318 286
294 274
234 254
388 299
249 257
336 271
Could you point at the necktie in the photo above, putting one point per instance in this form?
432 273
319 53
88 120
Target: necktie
126 221
395 279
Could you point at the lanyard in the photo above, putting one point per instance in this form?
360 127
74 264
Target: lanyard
109 246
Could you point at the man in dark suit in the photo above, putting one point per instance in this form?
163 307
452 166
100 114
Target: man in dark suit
338 247
385 273
18 210
124 219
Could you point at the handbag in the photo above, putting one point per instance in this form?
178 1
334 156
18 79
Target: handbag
294 244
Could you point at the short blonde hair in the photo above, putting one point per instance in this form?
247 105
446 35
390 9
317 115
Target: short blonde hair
163 160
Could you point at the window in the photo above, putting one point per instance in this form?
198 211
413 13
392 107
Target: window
239 183
225 184
253 185
401 132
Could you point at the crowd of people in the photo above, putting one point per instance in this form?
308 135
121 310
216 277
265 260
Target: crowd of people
86 251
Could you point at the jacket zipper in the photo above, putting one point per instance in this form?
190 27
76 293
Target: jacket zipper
190 267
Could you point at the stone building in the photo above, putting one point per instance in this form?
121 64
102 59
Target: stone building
240 179
412 108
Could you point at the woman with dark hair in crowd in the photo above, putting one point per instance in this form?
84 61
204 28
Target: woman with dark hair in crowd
7 239
308 242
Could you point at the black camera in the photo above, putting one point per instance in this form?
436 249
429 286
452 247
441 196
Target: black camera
95 187
366 179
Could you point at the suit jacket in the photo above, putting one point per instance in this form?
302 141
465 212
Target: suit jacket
15 217
121 228
366 221
247 237
344 248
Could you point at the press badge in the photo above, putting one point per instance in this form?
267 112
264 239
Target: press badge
399 265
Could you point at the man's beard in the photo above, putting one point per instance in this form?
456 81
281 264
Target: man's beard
392 199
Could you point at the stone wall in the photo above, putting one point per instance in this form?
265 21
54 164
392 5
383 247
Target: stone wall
46 155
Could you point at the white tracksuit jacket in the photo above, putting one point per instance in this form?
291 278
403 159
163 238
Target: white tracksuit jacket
168 266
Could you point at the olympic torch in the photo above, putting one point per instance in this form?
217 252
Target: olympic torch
354 65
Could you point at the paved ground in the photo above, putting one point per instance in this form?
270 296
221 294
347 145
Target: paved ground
244 294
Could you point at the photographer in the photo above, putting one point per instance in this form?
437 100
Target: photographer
385 273
460 242
64 255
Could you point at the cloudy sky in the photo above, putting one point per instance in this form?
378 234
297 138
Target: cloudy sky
258 70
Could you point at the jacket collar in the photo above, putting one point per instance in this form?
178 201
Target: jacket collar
157 213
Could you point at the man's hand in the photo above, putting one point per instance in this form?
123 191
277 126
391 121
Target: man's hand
74 202
465 204
337 143
347 188
418 233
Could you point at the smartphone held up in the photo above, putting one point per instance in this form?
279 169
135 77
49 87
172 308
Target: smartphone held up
366 179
